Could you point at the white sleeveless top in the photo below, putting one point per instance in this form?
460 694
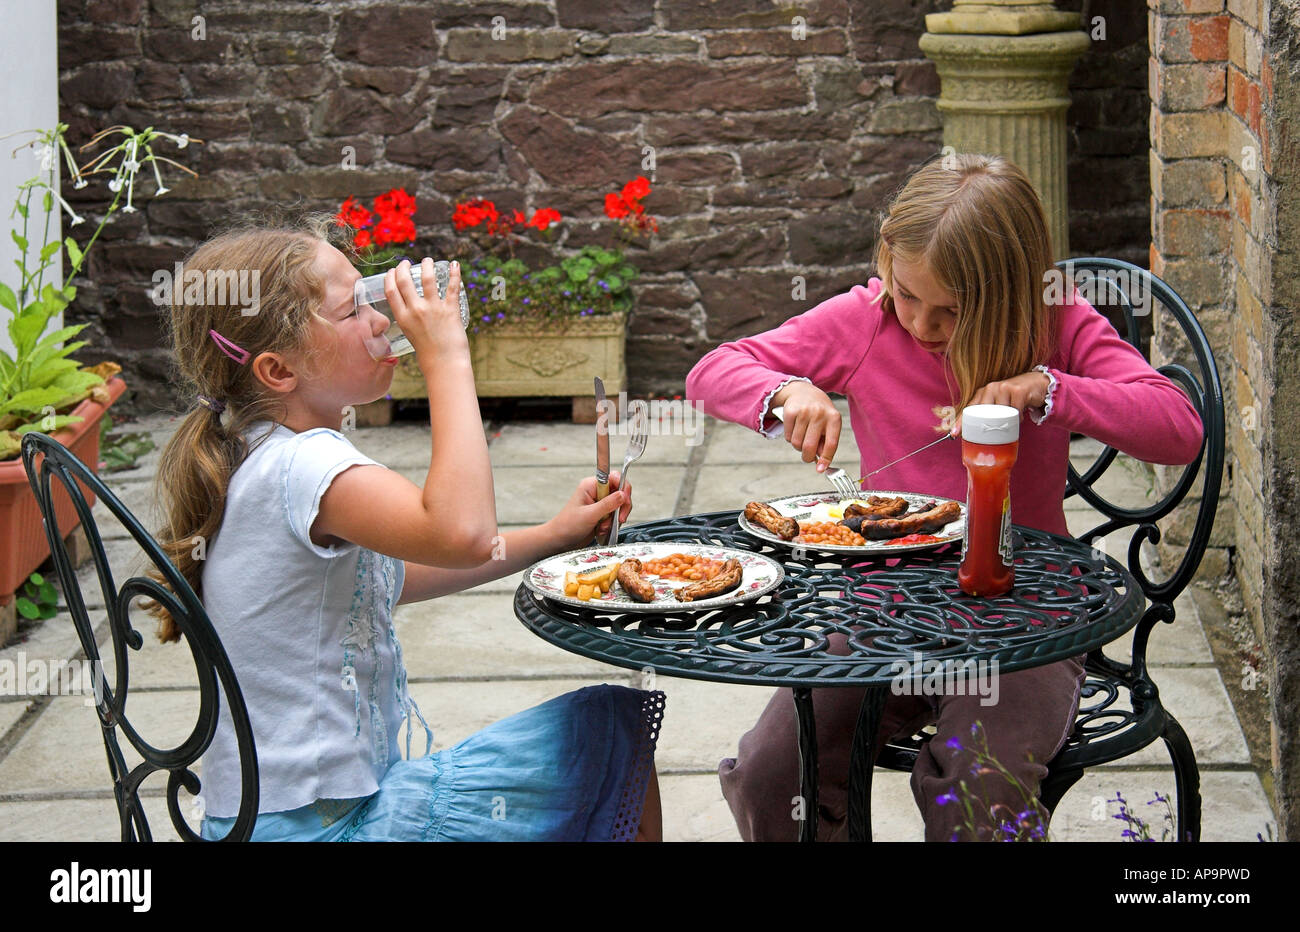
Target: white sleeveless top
308 630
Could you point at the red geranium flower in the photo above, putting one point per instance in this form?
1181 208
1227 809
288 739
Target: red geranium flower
472 213
636 189
544 217
352 214
615 208
396 201
362 239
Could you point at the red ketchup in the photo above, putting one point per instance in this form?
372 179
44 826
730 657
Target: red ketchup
990 438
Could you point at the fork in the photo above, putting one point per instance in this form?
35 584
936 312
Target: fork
635 447
838 478
845 486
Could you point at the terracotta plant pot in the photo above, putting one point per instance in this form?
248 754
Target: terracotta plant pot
25 547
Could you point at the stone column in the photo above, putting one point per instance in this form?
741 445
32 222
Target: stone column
1005 68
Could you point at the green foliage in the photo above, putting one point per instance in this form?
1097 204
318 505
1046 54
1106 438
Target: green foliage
39 598
120 452
593 282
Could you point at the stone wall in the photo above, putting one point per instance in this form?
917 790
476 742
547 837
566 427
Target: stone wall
778 134
1224 219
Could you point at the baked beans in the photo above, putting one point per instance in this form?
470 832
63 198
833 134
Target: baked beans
688 566
828 532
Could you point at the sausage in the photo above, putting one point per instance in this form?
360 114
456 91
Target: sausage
877 507
728 578
633 583
768 517
925 521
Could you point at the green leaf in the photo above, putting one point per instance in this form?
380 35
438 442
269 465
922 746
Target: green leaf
36 578
35 400
49 611
74 253
49 370
48 594
615 283
70 292
7 298
24 331
20 240
58 422
49 200
22 209
49 249
27 608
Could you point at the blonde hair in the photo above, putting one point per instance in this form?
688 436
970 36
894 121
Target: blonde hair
977 223
195 467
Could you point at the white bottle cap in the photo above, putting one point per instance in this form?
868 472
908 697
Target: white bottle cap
990 424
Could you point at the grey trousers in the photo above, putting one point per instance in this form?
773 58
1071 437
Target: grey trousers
1025 729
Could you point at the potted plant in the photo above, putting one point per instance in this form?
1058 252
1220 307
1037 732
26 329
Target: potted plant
539 328
41 387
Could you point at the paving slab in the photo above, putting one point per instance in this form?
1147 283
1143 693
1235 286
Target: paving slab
11 710
1196 698
528 496
536 445
477 636
722 488
694 809
83 820
732 443
63 751
1233 805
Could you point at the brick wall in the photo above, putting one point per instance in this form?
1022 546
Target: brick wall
1225 162
1191 233
774 155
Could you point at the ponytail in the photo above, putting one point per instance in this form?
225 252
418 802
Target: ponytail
197 463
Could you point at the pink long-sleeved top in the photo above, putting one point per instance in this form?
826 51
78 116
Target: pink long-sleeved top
901 397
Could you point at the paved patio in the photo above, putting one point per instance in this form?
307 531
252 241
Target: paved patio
471 662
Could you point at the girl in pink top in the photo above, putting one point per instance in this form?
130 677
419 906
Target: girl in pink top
957 317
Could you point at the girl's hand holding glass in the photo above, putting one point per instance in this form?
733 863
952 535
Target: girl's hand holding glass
429 322
812 423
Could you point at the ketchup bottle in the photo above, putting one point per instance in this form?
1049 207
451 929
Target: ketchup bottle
990 438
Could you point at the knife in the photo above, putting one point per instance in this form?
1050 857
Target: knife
779 412
602 442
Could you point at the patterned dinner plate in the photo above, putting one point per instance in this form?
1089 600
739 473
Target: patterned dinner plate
546 577
829 506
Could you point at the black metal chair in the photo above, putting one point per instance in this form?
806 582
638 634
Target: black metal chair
46 459
1104 731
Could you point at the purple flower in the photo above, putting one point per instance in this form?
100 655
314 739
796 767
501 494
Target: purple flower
528 300
487 317
501 315
568 294
946 798
954 743
470 285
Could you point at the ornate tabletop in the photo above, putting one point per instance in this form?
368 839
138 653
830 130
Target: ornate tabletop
898 613
1068 599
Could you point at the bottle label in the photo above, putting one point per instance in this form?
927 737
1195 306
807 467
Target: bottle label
1004 538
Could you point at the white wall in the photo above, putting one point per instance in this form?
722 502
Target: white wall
29 99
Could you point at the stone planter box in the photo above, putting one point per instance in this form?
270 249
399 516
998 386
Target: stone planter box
523 360
21 529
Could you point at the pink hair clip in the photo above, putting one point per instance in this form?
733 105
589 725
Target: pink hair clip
238 354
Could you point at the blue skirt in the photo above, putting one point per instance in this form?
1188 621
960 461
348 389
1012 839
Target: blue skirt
571 769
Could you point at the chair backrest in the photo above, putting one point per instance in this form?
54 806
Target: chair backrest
1110 284
44 460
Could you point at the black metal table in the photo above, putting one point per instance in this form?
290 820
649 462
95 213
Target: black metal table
1068 599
